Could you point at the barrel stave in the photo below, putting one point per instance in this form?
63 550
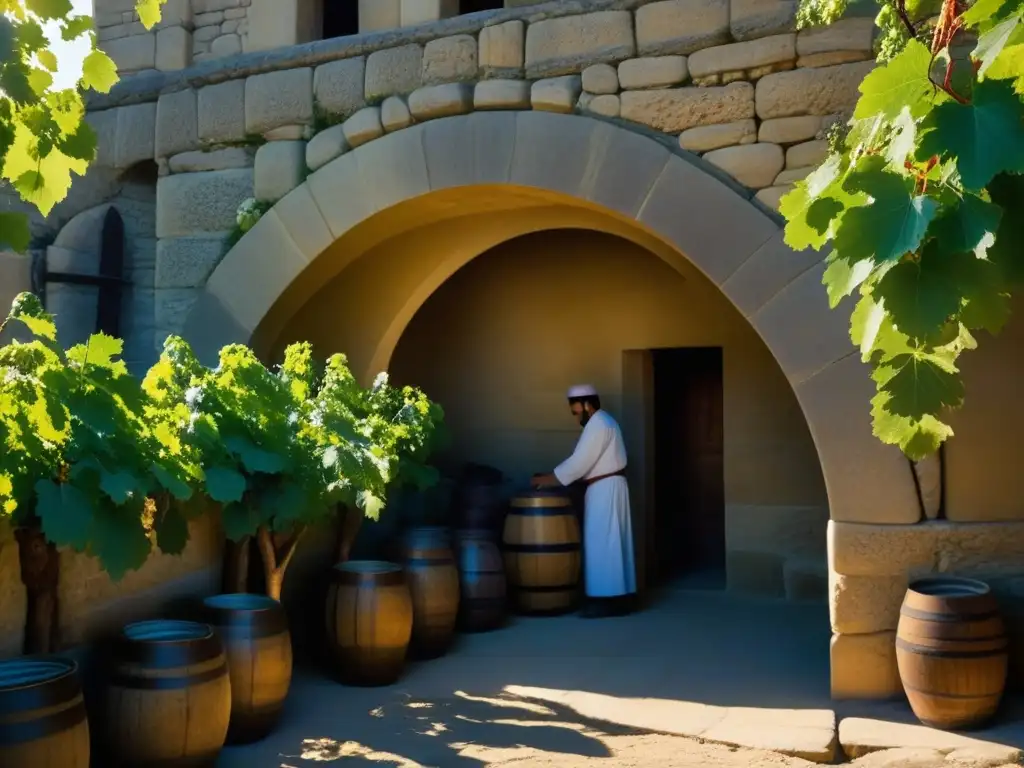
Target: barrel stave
482 583
434 585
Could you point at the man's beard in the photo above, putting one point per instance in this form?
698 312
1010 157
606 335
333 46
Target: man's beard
584 418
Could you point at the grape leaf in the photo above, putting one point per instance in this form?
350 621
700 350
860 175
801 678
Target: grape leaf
81 144
149 12
922 294
992 43
74 27
119 540
986 136
255 459
370 504
171 531
49 9
47 59
985 14
903 81
224 485
239 521
866 323
120 486
66 514
98 72
803 231
1007 252
970 226
99 350
841 277
177 487
14 232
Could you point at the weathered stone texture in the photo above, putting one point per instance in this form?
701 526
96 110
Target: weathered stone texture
677 109
173 49
326 146
810 91
502 94
606 105
280 168
171 308
758 18
424 11
794 175
394 114
278 98
450 60
501 49
681 26
186 262
789 130
222 112
864 666
808 153
752 165
134 53
338 86
772 196
831 58
226 45
861 605
177 123
393 71
289 133
135 134
435 101
566 45
216 160
365 125
708 137
743 56
844 35
652 72
193 203
601 78
556 94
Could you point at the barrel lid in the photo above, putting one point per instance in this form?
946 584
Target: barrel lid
242 601
368 566
542 497
166 631
20 672
949 586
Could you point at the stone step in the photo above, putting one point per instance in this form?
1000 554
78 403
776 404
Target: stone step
805 579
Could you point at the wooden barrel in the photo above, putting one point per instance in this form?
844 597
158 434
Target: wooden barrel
952 652
43 721
434 584
254 630
169 696
542 552
369 621
482 592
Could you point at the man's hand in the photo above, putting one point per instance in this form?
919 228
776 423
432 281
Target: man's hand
545 481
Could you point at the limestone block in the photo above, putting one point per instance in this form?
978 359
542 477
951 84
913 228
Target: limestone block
755 573
289 133
502 49
104 125
789 130
792 176
810 91
808 153
338 86
210 19
752 165
205 35
278 98
556 94
677 109
854 34
568 44
425 11
393 71
743 56
772 196
365 125
131 54
177 123
136 134
217 160
435 101
501 94
325 146
652 72
858 549
928 472
606 105
601 78
171 309
831 58
758 18
865 739
375 15
394 114
186 262
280 168
860 605
681 26
708 137
222 112
450 60
226 45
193 203
864 666
176 13
173 49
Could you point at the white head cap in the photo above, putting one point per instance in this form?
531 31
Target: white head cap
581 390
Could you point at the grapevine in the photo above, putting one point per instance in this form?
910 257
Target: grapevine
918 204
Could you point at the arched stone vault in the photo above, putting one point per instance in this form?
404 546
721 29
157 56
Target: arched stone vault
575 171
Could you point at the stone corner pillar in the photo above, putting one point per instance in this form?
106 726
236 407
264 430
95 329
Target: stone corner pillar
274 23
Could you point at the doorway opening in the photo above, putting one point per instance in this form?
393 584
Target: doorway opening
341 18
473 6
689 468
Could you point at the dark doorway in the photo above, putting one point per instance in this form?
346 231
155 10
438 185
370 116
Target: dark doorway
472 6
689 481
341 18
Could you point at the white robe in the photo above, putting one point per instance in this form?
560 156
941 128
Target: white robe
610 569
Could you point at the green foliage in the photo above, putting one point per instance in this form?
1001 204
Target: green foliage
919 205
83 451
279 449
43 138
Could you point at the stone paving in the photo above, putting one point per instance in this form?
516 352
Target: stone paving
699 679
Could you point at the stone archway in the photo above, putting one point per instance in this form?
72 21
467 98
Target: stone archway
504 161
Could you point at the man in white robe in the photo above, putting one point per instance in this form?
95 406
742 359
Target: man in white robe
599 460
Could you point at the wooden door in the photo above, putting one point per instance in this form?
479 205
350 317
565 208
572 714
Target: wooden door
637 419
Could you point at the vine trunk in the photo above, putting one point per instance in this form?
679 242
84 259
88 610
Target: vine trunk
274 564
350 521
40 573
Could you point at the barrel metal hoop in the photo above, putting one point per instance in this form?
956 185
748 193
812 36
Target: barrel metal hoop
31 730
255 628
395 578
40 696
430 561
134 682
548 511
948 618
921 650
958 696
543 549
